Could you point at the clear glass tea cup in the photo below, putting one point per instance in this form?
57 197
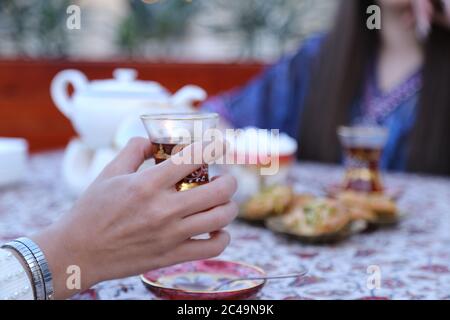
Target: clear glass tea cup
171 133
363 146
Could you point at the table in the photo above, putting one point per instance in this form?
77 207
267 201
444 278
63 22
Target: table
412 260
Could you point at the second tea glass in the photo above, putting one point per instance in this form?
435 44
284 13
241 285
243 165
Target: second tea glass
363 146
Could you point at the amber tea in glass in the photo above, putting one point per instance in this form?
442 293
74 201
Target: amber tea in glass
363 147
170 133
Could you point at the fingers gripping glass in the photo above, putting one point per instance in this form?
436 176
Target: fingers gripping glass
171 133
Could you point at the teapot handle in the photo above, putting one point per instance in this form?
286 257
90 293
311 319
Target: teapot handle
59 91
187 95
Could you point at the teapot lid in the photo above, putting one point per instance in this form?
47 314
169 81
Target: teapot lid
125 85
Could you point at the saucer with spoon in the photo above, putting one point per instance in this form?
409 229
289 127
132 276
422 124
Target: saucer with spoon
210 280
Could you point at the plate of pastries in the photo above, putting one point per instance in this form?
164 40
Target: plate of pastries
319 219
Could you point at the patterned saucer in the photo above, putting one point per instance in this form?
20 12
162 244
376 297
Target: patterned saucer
276 224
392 192
196 280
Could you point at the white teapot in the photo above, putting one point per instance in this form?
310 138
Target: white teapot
97 108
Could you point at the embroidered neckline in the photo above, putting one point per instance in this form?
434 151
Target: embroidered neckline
378 105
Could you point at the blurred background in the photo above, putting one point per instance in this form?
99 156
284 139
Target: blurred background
216 44
176 30
170 55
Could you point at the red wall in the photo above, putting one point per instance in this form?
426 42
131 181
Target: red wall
26 108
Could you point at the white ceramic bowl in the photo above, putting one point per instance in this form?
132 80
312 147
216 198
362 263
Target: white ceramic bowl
13 160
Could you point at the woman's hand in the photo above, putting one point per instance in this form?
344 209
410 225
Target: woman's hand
129 222
428 12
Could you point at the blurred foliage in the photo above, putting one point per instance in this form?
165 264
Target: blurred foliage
256 21
162 22
36 28
251 22
32 28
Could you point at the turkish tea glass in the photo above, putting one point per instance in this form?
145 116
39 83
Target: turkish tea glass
363 146
171 133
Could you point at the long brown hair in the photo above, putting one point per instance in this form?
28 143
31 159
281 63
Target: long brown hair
338 73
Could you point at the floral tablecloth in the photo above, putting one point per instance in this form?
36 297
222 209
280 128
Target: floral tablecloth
412 260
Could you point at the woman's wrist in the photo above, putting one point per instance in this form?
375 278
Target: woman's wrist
66 261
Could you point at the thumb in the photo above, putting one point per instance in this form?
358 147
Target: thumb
129 159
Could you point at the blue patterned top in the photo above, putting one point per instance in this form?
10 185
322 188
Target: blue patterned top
276 98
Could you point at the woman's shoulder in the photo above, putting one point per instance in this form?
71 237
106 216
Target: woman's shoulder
303 57
311 46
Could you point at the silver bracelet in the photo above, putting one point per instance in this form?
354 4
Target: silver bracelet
33 267
43 265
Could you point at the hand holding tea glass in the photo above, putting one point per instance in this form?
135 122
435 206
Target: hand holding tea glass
171 133
129 221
